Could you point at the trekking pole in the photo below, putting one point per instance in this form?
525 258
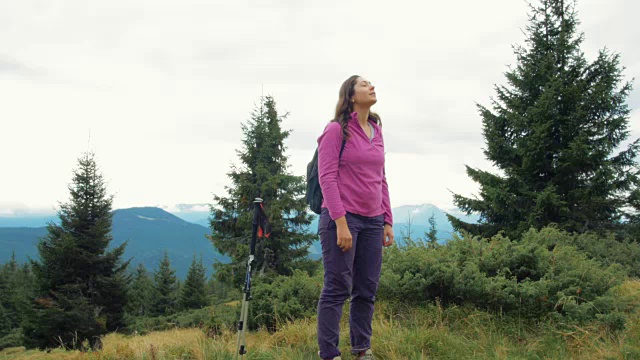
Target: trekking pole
242 324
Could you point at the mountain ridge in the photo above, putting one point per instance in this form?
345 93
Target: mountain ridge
152 230
149 232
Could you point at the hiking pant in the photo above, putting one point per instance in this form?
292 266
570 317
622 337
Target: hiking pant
353 273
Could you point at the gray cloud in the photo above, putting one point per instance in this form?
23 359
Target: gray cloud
163 86
11 66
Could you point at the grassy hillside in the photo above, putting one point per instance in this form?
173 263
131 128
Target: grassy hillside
399 333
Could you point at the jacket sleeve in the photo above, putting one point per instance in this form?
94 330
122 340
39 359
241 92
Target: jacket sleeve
386 201
329 145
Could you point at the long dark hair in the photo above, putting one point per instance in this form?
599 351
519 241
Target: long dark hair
345 106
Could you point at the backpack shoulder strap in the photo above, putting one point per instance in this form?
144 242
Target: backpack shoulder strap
344 141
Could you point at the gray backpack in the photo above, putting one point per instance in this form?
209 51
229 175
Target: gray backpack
314 192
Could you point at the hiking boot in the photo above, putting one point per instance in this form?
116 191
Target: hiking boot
365 355
335 358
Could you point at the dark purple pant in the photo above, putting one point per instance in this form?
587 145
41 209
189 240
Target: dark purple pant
356 273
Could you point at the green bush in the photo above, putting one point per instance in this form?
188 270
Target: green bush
221 293
223 317
144 325
212 319
284 298
14 338
608 250
544 273
274 301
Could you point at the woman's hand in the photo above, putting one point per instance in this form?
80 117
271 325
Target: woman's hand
387 239
344 235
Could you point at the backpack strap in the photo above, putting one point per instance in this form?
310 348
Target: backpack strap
344 141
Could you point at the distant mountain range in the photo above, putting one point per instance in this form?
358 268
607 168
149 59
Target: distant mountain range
152 230
417 215
39 220
412 220
149 232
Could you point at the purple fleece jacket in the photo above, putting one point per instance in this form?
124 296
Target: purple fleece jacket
358 184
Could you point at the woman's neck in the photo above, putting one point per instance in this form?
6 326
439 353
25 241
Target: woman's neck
363 114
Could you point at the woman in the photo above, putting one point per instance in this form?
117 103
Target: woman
355 221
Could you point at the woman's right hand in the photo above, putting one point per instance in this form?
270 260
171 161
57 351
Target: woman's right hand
344 235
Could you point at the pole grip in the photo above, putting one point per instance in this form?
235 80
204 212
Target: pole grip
254 230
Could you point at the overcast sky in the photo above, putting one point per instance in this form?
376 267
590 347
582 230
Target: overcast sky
163 86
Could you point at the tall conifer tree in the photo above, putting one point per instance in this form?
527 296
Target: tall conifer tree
263 173
81 283
554 134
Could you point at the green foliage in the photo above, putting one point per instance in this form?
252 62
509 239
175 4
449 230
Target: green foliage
220 292
5 320
264 173
16 290
553 133
285 298
68 320
401 331
183 319
609 249
81 284
165 289
212 319
222 317
431 235
543 274
13 338
141 293
193 293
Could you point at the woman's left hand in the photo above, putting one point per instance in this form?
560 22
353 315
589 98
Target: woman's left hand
387 240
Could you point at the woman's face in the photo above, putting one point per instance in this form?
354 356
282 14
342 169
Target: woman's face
364 92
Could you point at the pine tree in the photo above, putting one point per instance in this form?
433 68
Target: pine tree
553 134
16 291
165 288
9 294
140 293
263 173
631 229
193 293
12 265
432 238
220 292
23 281
81 284
407 233
5 319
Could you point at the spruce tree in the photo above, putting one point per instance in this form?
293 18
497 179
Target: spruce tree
554 134
10 294
16 292
407 233
432 238
81 283
263 173
140 293
11 266
5 315
165 288
631 229
23 281
193 294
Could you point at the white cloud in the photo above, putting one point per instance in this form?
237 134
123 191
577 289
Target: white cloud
198 208
174 80
185 208
6 212
14 209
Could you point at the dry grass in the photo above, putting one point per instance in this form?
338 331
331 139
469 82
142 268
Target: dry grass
399 333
